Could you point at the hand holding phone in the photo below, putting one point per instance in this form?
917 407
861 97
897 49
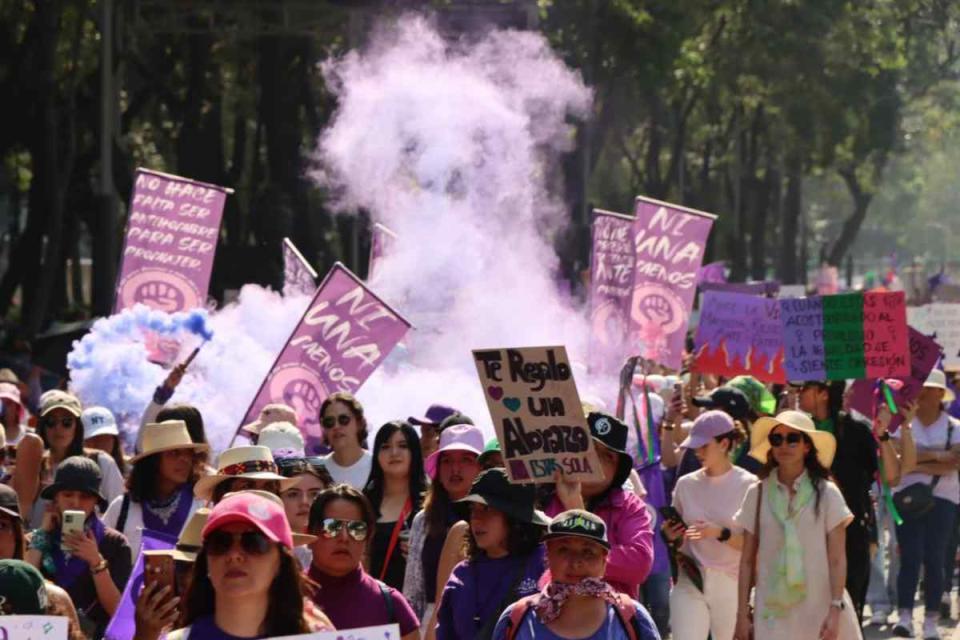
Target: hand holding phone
159 568
670 514
72 523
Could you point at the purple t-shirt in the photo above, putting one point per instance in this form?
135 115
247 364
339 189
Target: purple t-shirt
204 627
356 600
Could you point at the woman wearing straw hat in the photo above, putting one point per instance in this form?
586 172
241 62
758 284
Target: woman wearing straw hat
160 487
504 557
246 582
240 469
794 523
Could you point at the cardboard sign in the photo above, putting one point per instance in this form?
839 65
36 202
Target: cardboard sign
669 241
611 290
924 353
740 334
123 625
346 332
383 632
853 335
299 278
536 412
34 627
169 243
940 321
381 241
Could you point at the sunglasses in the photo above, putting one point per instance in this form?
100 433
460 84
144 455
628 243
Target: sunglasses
329 422
792 439
356 529
253 543
66 423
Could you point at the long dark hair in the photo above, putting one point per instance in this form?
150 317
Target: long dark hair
116 452
817 473
436 509
523 538
144 475
284 611
18 547
355 408
416 480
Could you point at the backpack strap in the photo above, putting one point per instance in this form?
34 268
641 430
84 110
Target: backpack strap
387 602
627 612
518 612
124 511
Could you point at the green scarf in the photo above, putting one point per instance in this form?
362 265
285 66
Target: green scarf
788 584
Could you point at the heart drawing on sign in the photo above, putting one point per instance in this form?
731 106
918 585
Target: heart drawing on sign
495 392
512 403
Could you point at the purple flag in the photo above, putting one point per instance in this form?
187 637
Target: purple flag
381 240
170 241
346 332
715 272
298 276
669 241
122 624
611 288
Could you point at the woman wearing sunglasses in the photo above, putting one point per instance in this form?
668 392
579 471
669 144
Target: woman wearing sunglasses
394 489
794 523
59 435
345 430
707 500
246 582
342 519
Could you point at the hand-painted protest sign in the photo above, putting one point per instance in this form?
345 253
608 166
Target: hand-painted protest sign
383 632
855 335
170 241
740 334
941 321
346 332
924 353
122 626
299 278
668 243
611 290
762 288
381 241
537 414
34 627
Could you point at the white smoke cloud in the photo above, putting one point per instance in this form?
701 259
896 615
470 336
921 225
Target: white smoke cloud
454 147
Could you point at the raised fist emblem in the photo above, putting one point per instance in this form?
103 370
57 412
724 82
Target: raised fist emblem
160 295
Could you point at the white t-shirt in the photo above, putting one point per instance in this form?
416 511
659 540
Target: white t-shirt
355 475
713 499
934 437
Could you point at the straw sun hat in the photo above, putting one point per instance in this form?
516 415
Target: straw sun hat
166 436
254 462
825 443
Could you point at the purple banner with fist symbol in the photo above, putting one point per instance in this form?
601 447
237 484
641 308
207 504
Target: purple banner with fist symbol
170 241
346 332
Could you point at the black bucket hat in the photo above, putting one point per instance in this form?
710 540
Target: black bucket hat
577 523
77 473
612 433
517 501
9 503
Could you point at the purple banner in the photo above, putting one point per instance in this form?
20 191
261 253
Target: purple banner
924 353
764 288
611 289
299 278
740 334
669 241
381 240
122 625
346 332
170 241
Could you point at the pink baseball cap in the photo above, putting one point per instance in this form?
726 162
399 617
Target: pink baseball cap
10 391
459 437
244 506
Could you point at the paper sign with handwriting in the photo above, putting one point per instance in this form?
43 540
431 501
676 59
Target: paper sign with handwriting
940 320
740 334
384 632
346 332
33 627
537 414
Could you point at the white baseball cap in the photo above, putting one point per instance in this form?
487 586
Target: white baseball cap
98 421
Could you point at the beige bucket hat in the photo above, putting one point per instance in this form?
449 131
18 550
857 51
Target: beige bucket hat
166 436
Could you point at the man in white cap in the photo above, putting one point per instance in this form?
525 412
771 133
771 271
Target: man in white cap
925 530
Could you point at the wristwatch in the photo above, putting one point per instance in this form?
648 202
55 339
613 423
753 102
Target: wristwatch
100 567
724 535
839 604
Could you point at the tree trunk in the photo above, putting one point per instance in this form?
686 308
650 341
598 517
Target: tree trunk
790 224
851 226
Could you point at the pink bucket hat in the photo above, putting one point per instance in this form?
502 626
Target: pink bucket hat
267 516
459 437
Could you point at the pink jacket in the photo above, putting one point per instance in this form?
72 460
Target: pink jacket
630 532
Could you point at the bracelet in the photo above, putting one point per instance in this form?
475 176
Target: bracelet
100 566
39 540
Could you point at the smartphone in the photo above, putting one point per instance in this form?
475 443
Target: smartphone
72 523
159 568
670 514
